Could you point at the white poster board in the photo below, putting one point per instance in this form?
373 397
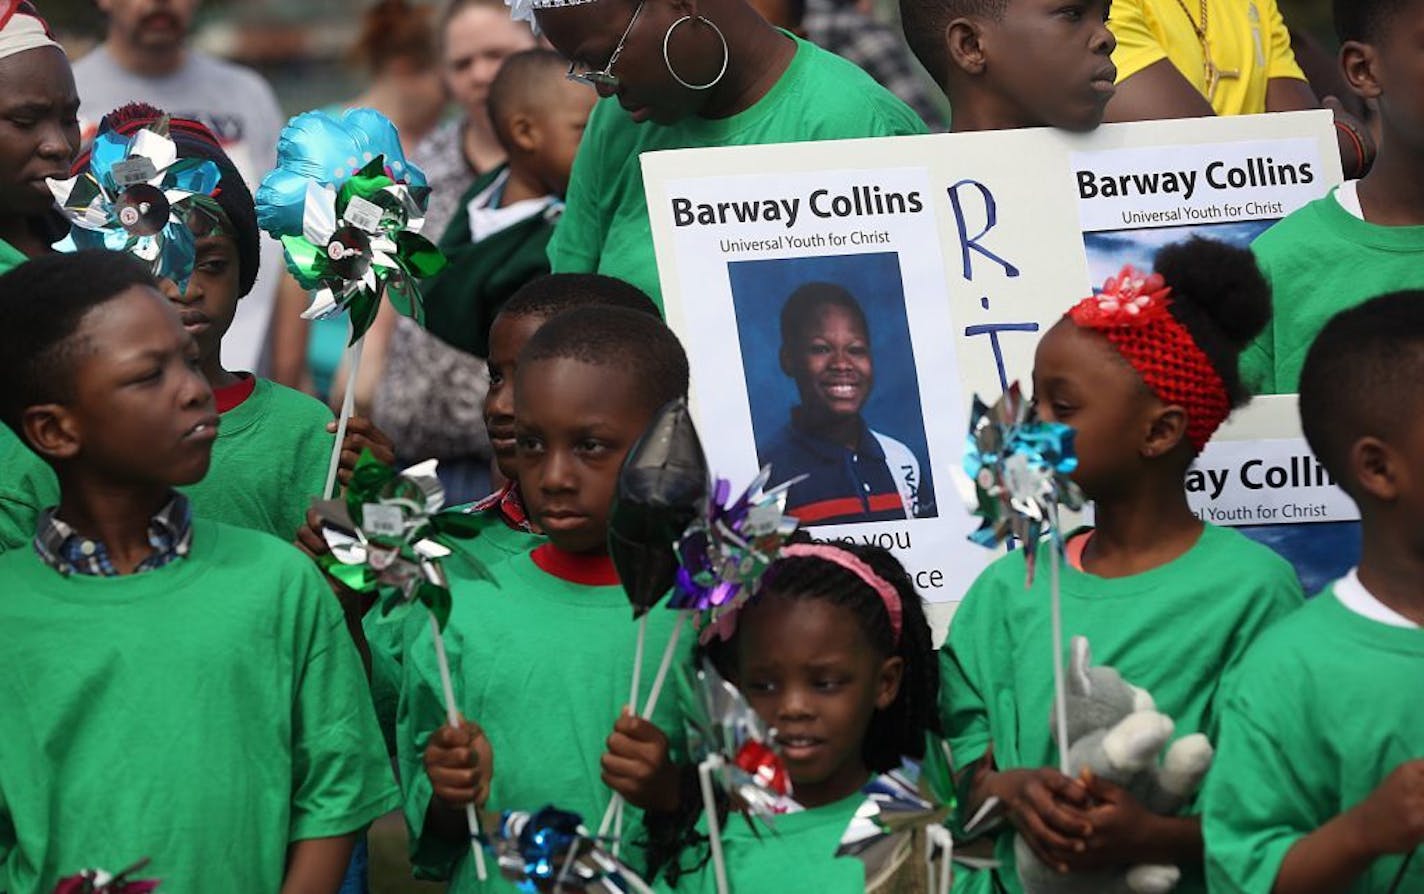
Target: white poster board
960 249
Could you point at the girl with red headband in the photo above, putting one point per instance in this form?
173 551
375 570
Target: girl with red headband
1145 371
835 653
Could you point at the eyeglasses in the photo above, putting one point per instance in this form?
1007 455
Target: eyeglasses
604 77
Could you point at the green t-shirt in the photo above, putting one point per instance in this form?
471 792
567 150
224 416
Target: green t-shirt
605 227
1324 707
27 485
388 635
206 714
798 855
545 666
10 257
1322 260
1173 631
269 460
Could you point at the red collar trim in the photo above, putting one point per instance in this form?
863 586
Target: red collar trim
230 397
590 571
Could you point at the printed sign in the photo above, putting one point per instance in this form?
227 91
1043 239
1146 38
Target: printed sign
842 301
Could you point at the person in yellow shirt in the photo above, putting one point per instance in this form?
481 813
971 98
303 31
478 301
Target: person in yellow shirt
1196 58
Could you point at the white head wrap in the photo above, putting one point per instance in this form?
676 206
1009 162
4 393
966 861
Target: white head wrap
523 10
21 29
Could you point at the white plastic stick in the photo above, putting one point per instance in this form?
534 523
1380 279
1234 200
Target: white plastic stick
1060 691
348 405
613 817
638 663
714 831
472 819
664 666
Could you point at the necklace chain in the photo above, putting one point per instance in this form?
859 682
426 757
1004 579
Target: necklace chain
1210 73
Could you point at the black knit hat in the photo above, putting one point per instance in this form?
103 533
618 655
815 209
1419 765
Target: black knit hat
195 140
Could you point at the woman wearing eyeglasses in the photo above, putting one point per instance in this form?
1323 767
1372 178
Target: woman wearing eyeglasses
687 74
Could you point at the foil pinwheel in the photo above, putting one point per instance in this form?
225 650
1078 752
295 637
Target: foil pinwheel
348 209
97 881
726 734
898 805
724 554
138 196
550 850
390 532
1019 467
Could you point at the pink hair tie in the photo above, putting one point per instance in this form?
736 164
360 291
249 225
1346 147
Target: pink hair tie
838 556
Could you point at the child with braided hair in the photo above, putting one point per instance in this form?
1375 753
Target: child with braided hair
835 653
1145 372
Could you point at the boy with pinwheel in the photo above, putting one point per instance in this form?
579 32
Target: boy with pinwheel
163 189
174 687
541 655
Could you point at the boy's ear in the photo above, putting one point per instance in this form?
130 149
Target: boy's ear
963 38
1359 62
892 671
51 431
1376 468
784 356
524 132
1167 429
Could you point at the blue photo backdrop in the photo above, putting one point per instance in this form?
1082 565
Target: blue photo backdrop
761 287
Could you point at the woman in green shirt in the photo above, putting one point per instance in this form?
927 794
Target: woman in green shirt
39 132
722 77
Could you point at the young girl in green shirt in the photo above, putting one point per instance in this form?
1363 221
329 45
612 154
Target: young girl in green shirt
1145 372
834 652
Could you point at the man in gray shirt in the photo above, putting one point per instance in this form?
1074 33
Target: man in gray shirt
146 58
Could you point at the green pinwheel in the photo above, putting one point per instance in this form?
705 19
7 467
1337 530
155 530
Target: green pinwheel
389 534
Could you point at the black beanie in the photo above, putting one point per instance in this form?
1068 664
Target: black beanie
195 140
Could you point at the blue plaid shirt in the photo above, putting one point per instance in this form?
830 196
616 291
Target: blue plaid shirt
64 549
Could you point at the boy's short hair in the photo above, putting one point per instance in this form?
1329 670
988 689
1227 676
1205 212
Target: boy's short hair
800 308
620 338
924 23
42 304
522 83
1365 20
1362 377
555 293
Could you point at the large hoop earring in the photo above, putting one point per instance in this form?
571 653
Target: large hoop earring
726 54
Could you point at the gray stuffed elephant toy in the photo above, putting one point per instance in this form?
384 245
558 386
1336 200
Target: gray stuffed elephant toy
1115 731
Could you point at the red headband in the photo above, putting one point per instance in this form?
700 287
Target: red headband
1131 313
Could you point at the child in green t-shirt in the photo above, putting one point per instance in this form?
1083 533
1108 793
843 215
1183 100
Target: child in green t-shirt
835 654
1319 780
1367 236
541 655
272 453
1006 64
189 691
506 529
1145 372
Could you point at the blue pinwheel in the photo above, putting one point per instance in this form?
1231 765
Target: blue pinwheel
1019 466
138 196
348 209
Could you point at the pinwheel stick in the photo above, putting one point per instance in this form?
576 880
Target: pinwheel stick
664 665
472 818
1060 689
348 404
613 816
714 831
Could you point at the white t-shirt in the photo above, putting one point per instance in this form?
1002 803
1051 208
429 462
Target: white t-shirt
1353 595
241 109
1348 195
